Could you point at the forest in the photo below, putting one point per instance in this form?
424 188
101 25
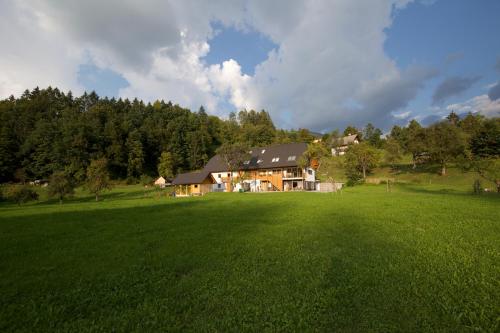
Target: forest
45 131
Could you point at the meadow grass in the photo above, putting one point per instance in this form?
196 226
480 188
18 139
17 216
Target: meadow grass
421 258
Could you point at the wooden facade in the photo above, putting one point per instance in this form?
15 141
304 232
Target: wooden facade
193 184
276 179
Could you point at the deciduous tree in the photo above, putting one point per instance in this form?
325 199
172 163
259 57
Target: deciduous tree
446 142
360 159
417 141
60 186
98 177
233 155
393 152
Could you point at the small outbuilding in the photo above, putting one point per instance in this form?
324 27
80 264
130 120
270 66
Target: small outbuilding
161 182
193 183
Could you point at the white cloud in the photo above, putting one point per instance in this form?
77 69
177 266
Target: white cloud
402 115
330 55
482 104
33 53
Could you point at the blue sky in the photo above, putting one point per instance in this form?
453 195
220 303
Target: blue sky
322 64
246 46
459 38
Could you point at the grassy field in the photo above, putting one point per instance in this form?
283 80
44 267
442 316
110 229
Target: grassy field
422 258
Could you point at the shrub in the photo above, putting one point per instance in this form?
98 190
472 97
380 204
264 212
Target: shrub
146 180
131 181
21 194
351 182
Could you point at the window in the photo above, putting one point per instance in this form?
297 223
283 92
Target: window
293 173
195 185
219 185
219 175
275 159
259 161
263 151
309 172
262 173
269 172
292 158
229 174
276 171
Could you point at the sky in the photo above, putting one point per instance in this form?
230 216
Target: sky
317 64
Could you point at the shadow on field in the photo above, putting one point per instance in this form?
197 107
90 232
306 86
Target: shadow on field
421 168
115 195
198 264
490 196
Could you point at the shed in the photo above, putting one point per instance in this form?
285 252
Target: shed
193 183
161 182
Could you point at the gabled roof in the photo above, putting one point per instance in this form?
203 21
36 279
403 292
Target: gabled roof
347 140
275 156
191 178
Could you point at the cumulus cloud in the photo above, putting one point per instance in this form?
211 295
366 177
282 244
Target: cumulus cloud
329 68
452 86
482 104
33 52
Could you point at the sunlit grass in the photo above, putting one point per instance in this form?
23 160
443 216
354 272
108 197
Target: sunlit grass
421 258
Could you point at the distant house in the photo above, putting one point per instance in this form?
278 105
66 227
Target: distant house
161 182
193 183
340 145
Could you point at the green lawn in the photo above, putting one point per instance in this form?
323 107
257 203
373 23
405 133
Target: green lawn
422 258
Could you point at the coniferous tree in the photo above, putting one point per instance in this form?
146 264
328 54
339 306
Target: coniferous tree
135 155
166 165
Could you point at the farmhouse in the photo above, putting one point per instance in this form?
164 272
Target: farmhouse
341 144
270 168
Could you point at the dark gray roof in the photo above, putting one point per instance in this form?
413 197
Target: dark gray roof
282 155
346 140
190 178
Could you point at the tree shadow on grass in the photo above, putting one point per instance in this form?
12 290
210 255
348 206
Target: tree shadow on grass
201 265
98 264
425 168
413 188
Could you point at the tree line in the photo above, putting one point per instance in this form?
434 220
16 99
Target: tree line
47 132
471 142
